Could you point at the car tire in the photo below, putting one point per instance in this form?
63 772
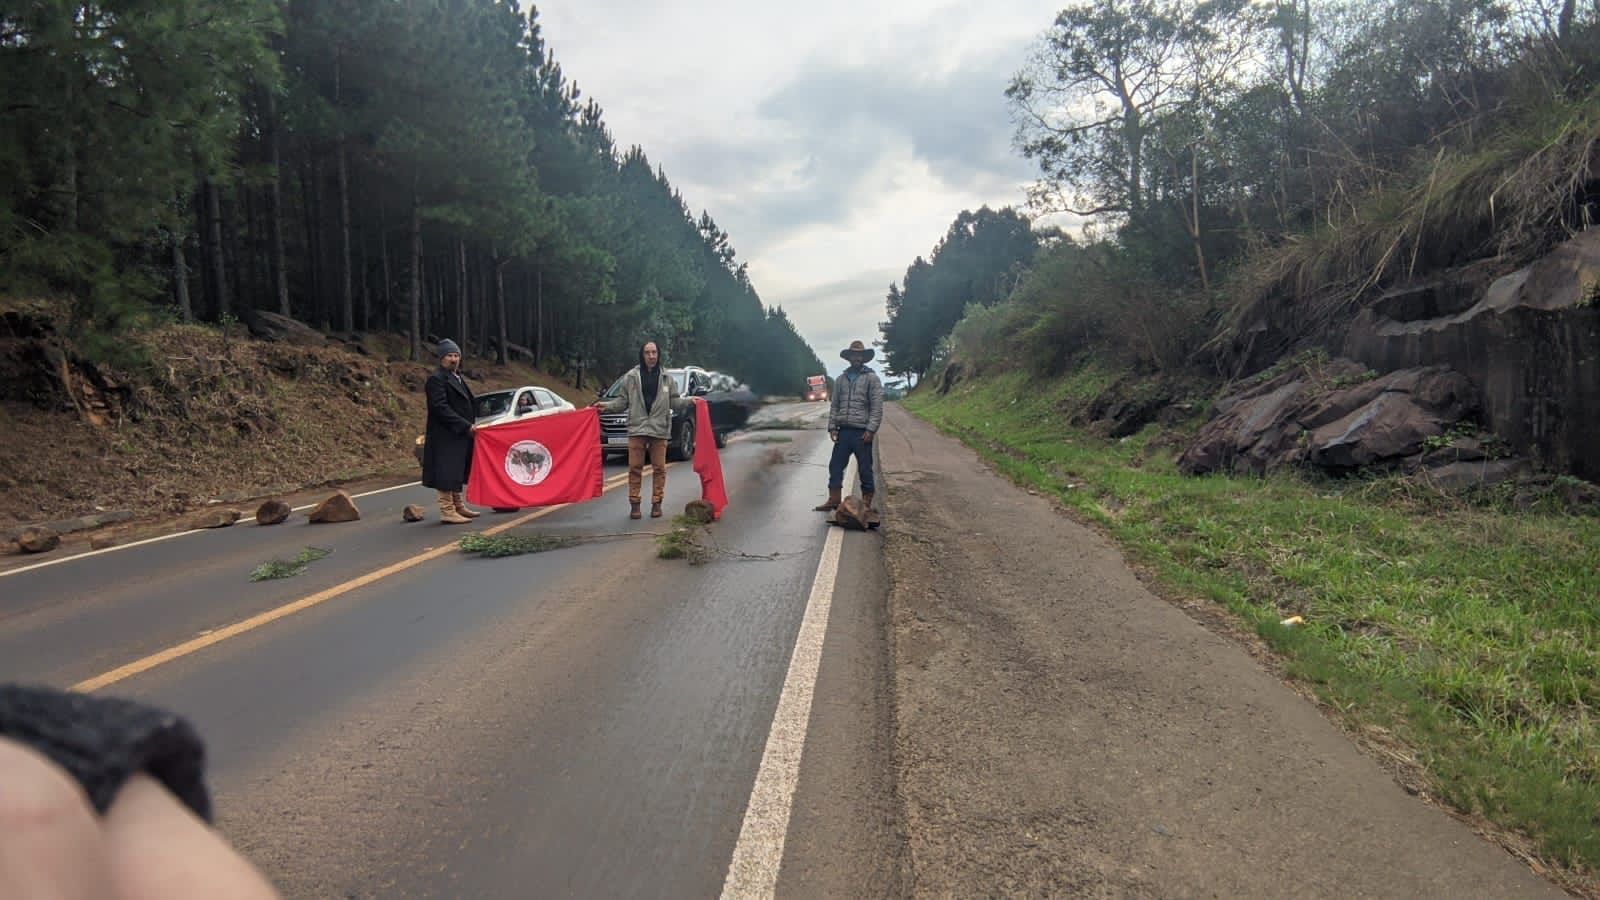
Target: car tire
683 448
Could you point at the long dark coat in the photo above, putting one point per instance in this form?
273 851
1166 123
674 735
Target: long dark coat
447 447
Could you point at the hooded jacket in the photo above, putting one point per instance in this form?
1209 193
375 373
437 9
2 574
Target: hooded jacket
652 422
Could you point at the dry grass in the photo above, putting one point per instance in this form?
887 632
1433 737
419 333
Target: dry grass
211 418
1512 197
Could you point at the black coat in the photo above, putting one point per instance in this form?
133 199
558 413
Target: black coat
447 447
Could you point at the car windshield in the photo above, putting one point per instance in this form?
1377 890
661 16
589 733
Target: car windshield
677 375
493 403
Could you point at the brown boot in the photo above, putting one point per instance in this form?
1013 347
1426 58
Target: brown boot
447 511
461 506
655 510
633 510
866 499
834 495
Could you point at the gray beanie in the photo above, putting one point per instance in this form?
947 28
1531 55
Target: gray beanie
447 347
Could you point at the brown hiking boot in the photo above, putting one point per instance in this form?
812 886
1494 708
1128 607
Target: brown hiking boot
633 510
868 514
832 502
655 510
461 507
447 511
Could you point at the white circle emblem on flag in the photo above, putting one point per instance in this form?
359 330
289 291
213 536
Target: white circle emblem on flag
528 463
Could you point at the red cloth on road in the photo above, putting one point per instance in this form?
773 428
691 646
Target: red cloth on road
707 461
545 461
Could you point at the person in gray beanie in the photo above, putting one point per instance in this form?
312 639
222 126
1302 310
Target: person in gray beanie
447 442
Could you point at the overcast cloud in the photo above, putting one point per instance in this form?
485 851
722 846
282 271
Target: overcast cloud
835 142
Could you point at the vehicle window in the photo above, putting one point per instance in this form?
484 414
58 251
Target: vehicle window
526 402
678 381
493 404
615 389
547 400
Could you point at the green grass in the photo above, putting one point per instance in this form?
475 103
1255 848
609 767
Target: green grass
288 568
682 541
513 543
1468 633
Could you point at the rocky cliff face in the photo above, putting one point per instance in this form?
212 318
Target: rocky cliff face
1518 355
1530 344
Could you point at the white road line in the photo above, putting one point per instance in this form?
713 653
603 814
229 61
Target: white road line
753 871
394 487
167 537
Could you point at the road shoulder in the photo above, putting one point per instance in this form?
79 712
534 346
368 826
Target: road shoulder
1060 730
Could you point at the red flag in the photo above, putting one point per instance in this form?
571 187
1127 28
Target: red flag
544 461
707 462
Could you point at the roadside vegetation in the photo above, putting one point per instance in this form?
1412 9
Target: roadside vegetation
1460 637
421 169
288 568
1274 169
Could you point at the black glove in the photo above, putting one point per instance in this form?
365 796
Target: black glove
103 741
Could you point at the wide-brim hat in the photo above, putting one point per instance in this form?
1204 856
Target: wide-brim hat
857 348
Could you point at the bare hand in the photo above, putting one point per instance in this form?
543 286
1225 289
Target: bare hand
866 437
833 436
148 845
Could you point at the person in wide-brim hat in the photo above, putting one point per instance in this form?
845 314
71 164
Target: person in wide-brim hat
857 349
855 412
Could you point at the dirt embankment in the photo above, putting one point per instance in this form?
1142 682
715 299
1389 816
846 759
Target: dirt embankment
204 418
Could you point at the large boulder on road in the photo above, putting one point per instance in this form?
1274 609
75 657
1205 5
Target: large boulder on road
853 514
336 508
273 512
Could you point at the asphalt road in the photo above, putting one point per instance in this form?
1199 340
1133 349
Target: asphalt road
582 722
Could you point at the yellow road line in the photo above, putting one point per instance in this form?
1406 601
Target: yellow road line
272 615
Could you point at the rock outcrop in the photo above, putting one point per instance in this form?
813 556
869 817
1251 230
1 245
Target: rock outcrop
271 326
1530 344
1337 418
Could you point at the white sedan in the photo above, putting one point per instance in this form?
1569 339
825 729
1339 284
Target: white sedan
511 405
515 404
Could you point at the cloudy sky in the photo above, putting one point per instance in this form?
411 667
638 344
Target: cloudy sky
835 141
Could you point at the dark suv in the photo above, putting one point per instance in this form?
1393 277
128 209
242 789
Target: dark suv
730 404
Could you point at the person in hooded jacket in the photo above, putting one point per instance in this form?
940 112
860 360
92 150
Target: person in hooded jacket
650 397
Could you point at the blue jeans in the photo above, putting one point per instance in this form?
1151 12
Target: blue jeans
851 444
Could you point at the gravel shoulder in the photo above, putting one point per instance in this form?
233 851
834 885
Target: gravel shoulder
1061 730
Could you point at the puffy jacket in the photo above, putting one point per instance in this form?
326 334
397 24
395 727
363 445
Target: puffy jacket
655 422
856 404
